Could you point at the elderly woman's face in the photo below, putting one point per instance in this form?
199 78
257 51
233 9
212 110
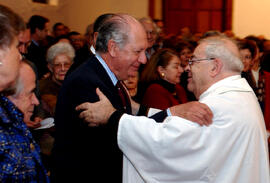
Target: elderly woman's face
60 66
9 69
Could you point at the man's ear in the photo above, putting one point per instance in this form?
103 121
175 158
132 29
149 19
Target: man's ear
95 38
37 30
112 48
216 67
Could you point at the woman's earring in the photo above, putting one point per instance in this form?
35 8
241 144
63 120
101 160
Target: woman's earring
162 75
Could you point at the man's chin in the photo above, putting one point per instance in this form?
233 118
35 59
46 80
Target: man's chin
27 117
133 73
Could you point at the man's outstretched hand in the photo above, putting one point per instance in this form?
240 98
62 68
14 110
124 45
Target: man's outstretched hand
193 111
96 113
99 112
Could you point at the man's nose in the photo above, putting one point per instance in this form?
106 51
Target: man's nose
142 58
35 101
62 67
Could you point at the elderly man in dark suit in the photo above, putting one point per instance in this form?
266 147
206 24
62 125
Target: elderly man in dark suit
85 153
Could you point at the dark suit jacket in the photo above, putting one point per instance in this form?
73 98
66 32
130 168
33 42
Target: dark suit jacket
82 153
81 55
37 55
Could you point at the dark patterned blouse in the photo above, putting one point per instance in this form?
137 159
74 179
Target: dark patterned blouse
19 154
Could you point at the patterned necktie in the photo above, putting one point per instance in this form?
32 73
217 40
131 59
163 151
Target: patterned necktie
124 96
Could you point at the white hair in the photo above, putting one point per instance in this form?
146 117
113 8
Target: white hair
226 50
150 21
60 48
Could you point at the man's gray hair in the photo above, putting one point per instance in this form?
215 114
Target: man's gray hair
17 89
226 50
60 48
116 28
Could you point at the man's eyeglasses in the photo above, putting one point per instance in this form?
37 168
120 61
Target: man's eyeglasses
193 59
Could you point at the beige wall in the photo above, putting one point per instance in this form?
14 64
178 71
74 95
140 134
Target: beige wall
84 12
77 14
251 17
26 8
248 17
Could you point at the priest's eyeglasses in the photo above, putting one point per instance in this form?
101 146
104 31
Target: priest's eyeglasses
193 59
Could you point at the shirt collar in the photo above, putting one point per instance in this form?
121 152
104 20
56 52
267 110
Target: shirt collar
105 66
36 43
92 49
232 83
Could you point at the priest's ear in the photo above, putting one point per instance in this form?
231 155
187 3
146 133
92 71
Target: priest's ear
216 67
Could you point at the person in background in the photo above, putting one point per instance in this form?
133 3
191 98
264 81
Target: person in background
24 97
265 78
266 45
152 35
232 149
76 40
97 24
23 35
80 58
59 58
58 29
151 30
211 33
24 41
19 154
39 28
229 33
185 34
82 52
131 84
163 72
248 50
19 27
89 33
185 50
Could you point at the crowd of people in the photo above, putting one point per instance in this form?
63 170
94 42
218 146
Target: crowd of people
126 102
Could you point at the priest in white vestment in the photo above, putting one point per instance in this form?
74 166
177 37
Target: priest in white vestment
233 149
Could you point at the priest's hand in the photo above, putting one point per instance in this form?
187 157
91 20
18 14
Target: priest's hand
96 113
193 111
